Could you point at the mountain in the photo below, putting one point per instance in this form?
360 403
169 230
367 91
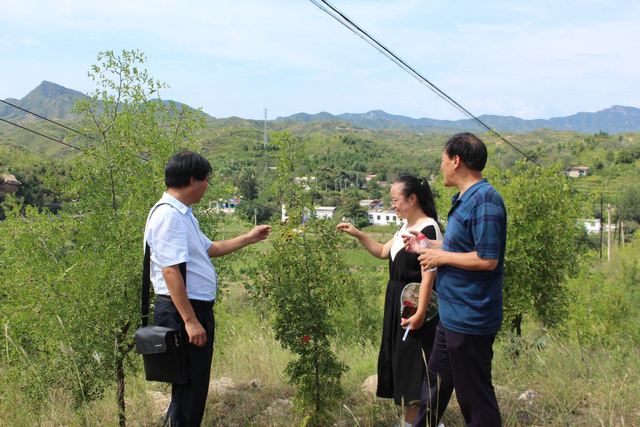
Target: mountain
617 119
55 102
48 99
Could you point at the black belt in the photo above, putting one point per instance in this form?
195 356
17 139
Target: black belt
194 302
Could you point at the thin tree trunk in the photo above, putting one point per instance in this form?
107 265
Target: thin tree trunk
517 325
120 394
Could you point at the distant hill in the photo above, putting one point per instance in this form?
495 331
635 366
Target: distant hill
55 102
617 119
48 99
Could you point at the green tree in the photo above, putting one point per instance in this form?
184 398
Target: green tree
248 185
352 211
542 215
89 270
629 206
303 279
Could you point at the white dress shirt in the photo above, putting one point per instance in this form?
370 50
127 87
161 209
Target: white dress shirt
174 236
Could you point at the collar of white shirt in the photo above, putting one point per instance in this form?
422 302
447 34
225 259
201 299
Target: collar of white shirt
180 207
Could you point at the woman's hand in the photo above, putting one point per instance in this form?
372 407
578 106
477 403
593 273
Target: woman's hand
348 228
416 321
411 242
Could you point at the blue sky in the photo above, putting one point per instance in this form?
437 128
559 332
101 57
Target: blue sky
537 59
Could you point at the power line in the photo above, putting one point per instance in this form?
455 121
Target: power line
49 120
47 136
360 32
58 124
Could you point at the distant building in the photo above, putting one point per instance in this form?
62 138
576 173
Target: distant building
303 180
370 177
325 211
593 225
371 203
322 212
9 183
227 206
384 217
576 171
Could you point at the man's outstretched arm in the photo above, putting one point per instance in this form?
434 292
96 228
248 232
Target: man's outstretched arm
225 247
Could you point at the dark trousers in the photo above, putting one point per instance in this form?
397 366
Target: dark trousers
188 400
461 362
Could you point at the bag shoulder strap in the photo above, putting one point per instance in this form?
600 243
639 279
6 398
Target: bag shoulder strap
146 276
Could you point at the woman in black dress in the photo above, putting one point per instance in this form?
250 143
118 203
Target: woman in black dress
401 366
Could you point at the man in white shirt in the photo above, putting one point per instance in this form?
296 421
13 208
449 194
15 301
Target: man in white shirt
174 237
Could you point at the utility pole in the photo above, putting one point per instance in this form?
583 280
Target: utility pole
255 216
601 229
608 232
266 138
622 232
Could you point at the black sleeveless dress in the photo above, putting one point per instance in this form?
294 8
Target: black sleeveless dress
401 366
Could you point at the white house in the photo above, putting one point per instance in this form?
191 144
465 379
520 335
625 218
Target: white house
384 217
322 212
593 225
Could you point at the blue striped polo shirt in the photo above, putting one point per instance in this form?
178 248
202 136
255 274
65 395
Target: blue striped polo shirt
471 301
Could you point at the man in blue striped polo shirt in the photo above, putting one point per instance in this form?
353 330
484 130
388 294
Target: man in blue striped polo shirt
470 262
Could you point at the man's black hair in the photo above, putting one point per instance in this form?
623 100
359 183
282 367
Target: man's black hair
469 148
184 166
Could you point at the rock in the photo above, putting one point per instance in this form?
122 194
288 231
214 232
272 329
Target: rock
280 407
370 385
221 386
255 383
528 398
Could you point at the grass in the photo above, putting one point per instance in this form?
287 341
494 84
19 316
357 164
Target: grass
571 385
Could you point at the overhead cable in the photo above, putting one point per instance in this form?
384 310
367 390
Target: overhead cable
49 120
58 124
332 11
46 136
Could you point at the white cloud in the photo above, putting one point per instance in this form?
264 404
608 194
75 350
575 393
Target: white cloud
529 59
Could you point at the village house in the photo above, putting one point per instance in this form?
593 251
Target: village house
576 171
227 206
322 212
371 203
592 226
9 183
384 217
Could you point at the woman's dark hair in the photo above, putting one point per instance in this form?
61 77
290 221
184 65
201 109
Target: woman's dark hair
469 148
420 187
184 166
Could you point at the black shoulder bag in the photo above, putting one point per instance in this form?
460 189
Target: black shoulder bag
163 349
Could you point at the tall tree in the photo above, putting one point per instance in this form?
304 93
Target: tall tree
304 279
89 279
542 213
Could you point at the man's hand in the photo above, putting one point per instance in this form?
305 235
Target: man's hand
431 258
259 233
196 333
